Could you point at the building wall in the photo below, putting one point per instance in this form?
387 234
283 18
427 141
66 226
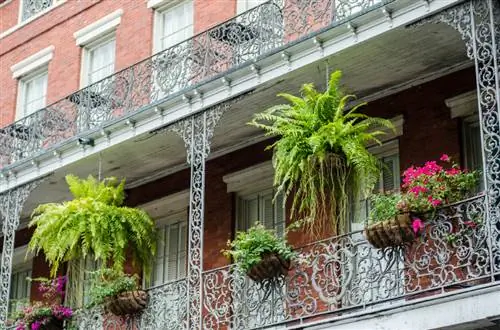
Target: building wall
133 40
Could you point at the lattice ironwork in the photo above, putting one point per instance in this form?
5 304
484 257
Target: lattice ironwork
196 132
11 204
166 309
32 7
478 22
347 273
238 41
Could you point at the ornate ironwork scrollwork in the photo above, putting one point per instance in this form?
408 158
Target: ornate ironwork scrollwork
11 204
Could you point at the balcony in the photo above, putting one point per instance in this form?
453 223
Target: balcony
334 277
239 41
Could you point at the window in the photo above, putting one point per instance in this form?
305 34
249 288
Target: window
464 106
174 25
33 92
19 289
32 7
80 280
389 180
99 60
170 261
20 286
260 207
244 5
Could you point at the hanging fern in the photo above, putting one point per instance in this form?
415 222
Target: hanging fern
320 157
93 223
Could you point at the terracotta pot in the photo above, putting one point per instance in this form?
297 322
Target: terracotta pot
271 266
127 303
390 233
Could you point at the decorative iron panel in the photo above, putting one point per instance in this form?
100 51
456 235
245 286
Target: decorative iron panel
208 55
347 273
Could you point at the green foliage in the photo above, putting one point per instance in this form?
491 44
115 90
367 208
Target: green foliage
320 156
93 223
248 247
384 207
108 282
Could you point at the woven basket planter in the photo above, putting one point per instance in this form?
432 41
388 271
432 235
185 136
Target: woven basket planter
390 233
127 303
271 266
53 324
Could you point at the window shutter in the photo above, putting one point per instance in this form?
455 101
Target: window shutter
173 244
183 249
390 173
267 211
158 271
279 216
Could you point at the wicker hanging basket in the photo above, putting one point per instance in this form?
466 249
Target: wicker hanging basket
271 266
127 303
53 324
390 233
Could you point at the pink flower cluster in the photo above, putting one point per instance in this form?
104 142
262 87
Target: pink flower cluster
62 312
433 185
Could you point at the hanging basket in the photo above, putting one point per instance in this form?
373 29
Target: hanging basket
271 266
53 324
127 303
390 233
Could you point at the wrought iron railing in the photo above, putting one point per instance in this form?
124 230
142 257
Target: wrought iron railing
240 40
338 275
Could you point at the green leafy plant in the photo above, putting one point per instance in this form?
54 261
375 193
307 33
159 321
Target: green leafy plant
109 282
249 246
93 223
321 155
384 207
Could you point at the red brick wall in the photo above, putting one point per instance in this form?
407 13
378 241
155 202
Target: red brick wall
133 43
208 13
9 14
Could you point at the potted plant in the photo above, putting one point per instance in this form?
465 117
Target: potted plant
393 217
388 226
260 253
321 156
95 224
118 292
48 314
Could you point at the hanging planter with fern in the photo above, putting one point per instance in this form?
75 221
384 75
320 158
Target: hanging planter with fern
320 156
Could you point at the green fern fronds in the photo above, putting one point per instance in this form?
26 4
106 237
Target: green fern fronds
321 156
93 223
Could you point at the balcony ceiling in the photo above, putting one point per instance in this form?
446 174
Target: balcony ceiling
396 57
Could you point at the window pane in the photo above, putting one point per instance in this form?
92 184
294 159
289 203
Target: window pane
102 61
35 92
170 261
177 24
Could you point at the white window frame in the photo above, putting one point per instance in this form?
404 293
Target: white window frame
179 219
160 7
22 90
87 56
167 211
242 5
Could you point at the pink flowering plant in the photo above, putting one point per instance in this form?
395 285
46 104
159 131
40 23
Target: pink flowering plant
40 314
435 184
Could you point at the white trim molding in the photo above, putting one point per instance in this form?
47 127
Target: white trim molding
155 4
167 206
462 105
99 28
250 179
33 62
